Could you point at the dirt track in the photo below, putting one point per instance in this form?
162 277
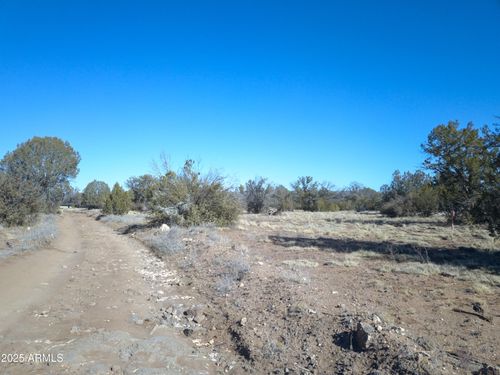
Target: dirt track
85 305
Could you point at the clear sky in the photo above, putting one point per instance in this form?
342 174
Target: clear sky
339 90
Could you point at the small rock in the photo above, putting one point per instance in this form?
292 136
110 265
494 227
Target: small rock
189 314
486 370
363 336
296 310
164 228
187 332
243 321
476 306
199 318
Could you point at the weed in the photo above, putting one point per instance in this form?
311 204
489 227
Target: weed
167 243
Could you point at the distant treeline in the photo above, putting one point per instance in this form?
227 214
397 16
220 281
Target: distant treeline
460 177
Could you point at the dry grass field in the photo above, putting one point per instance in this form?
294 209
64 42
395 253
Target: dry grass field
17 240
286 294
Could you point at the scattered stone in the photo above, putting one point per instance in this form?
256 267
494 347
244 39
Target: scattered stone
187 332
243 321
164 228
487 370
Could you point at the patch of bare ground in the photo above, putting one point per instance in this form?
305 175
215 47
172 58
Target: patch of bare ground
343 293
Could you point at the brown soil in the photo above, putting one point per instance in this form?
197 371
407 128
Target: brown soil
297 308
272 295
88 298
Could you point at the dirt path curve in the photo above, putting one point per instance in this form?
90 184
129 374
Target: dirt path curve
84 306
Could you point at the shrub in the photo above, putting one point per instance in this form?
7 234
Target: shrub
188 198
282 199
142 189
19 201
167 243
393 208
409 194
41 234
95 194
256 191
118 202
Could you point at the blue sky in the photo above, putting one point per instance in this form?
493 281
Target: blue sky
339 90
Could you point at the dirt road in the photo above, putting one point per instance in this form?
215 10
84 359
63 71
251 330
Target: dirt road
86 305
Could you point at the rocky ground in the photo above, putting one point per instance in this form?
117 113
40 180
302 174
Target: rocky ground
298 293
330 293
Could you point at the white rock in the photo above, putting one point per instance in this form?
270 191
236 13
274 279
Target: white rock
164 228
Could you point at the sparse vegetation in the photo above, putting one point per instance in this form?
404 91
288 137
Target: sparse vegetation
167 243
22 239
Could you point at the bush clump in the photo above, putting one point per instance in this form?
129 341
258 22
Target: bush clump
306 193
118 202
256 192
95 194
409 194
19 201
189 198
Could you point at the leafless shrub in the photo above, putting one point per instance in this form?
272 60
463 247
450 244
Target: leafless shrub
125 219
39 235
224 284
167 243
30 238
295 275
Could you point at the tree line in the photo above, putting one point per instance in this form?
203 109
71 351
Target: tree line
459 177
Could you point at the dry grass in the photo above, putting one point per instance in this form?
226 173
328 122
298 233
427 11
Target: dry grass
384 236
21 239
371 226
130 219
